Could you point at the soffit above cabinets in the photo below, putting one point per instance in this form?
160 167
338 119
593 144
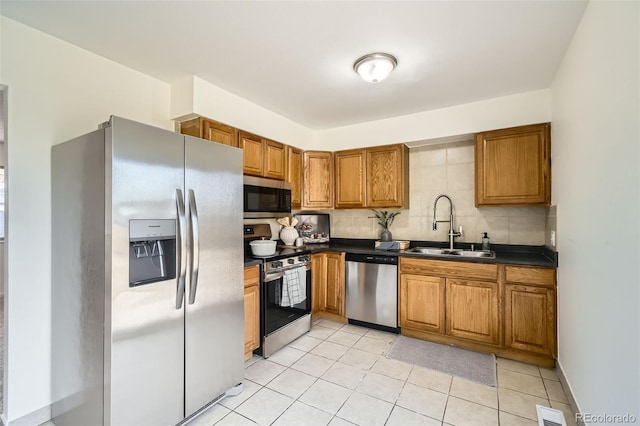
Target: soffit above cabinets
296 58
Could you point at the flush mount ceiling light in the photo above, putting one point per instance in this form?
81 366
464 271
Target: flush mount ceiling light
375 67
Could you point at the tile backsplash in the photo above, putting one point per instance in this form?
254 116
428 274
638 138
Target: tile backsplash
447 169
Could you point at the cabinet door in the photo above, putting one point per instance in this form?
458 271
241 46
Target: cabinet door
513 166
218 132
335 283
422 302
530 318
253 148
350 172
275 160
294 175
251 310
388 176
318 180
472 310
318 282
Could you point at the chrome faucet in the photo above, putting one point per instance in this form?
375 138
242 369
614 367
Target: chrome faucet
452 234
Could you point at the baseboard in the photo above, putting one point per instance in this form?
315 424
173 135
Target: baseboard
37 417
568 392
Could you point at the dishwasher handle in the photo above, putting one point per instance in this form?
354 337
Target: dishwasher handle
371 258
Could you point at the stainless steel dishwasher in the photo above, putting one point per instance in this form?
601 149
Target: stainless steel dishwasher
372 290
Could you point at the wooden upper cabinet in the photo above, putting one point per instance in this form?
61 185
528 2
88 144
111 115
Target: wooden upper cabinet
513 166
221 133
372 177
318 180
388 176
275 160
350 175
253 153
294 175
210 130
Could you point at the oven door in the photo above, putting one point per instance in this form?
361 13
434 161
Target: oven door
277 311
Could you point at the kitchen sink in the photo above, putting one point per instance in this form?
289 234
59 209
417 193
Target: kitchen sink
434 251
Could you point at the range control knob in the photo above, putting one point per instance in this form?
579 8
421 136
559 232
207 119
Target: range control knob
291 261
276 264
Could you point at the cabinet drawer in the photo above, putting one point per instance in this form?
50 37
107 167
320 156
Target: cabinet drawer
529 275
252 275
443 268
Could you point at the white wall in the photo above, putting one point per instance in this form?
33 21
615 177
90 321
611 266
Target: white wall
56 91
497 113
193 95
596 162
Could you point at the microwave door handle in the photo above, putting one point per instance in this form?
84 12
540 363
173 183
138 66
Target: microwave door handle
195 248
181 246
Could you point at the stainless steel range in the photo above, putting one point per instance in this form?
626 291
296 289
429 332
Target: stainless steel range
285 293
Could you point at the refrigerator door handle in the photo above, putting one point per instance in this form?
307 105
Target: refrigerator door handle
181 246
195 253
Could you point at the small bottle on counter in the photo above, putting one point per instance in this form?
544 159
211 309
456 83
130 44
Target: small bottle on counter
486 245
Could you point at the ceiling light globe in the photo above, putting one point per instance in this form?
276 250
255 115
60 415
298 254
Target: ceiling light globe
375 67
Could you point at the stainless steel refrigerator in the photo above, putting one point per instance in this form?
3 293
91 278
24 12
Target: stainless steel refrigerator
147 287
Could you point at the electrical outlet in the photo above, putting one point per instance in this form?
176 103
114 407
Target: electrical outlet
553 238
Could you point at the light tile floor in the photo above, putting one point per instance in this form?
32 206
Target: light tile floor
338 375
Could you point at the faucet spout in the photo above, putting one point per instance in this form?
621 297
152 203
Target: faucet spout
452 233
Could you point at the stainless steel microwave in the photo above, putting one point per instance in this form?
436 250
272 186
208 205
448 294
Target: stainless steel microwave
266 197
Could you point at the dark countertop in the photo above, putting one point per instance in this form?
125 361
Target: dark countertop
505 253
250 261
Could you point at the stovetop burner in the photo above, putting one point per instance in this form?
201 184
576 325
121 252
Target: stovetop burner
263 230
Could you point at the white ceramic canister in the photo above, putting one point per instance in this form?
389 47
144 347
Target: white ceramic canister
288 235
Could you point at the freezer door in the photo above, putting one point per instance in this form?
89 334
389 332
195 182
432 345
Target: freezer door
144 344
214 297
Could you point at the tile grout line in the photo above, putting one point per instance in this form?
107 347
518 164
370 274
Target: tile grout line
370 370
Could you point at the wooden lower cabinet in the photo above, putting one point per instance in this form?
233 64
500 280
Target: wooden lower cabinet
318 280
251 309
504 309
530 318
422 302
530 309
334 295
328 285
472 310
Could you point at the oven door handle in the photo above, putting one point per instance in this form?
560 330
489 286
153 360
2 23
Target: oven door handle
272 276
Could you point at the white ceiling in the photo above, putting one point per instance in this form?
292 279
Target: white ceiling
295 58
